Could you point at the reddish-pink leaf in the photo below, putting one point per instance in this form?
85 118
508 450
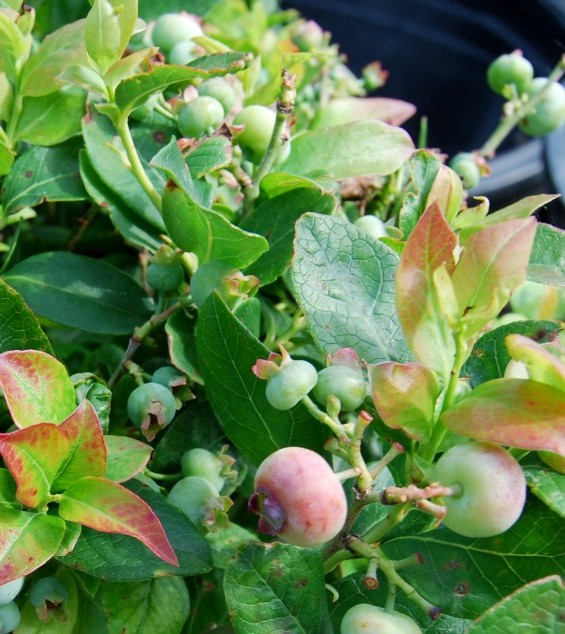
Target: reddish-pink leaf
126 457
110 508
404 395
493 264
34 456
36 386
87 455
514 412
430 246
27 541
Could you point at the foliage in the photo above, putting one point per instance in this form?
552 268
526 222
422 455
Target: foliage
173 287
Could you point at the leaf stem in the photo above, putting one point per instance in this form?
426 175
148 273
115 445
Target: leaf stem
135 164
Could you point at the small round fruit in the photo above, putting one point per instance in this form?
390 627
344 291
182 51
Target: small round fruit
372 226
200 116
512 69
308 36
164 277
343 381
291 384
204 464
48 590
194 496
549 114
298 497
219 89
151 399
492 489
9 617
171 28
9 591
365 618
465 166
259 122
181 53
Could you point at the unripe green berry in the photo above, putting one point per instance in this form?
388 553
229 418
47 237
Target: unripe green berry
372 226
200 116
219 89
466 167
509 70
204 464
151 407
9 617
195 497
9 591
365 618
343 381
164 277
171 28
181 53
258 122
549 113
291 384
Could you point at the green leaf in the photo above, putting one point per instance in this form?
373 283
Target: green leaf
126 457
467 576
86 78
182 344
515 412
209 155
156 606
60 49
226 352
490 356
107 158
132 92
151 9
28 541
207 233
133 228
424 166
492 265
349 109
118 557
36 387
404 395
87 453
547 485
19 328
7 156
103 34
275 219
344 282
34 456
51 119
547 260
109 507
171 162
43 174
8 499
354 149
80 292
429 248
14 46
536 608
274 572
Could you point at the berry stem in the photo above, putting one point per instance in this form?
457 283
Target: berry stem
318 414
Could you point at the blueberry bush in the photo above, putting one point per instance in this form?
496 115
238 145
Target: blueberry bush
266 365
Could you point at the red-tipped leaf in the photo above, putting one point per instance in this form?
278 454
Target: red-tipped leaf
126 457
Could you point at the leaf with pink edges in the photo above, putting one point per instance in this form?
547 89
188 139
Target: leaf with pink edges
404 395
34 456
515 412
36 386
87 454
542 365
111 508
494 262
430 247
126 457
27 541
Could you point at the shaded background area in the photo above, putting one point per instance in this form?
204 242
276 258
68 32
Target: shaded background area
437 53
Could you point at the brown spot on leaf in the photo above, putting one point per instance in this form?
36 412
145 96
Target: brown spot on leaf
28 174
462 589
